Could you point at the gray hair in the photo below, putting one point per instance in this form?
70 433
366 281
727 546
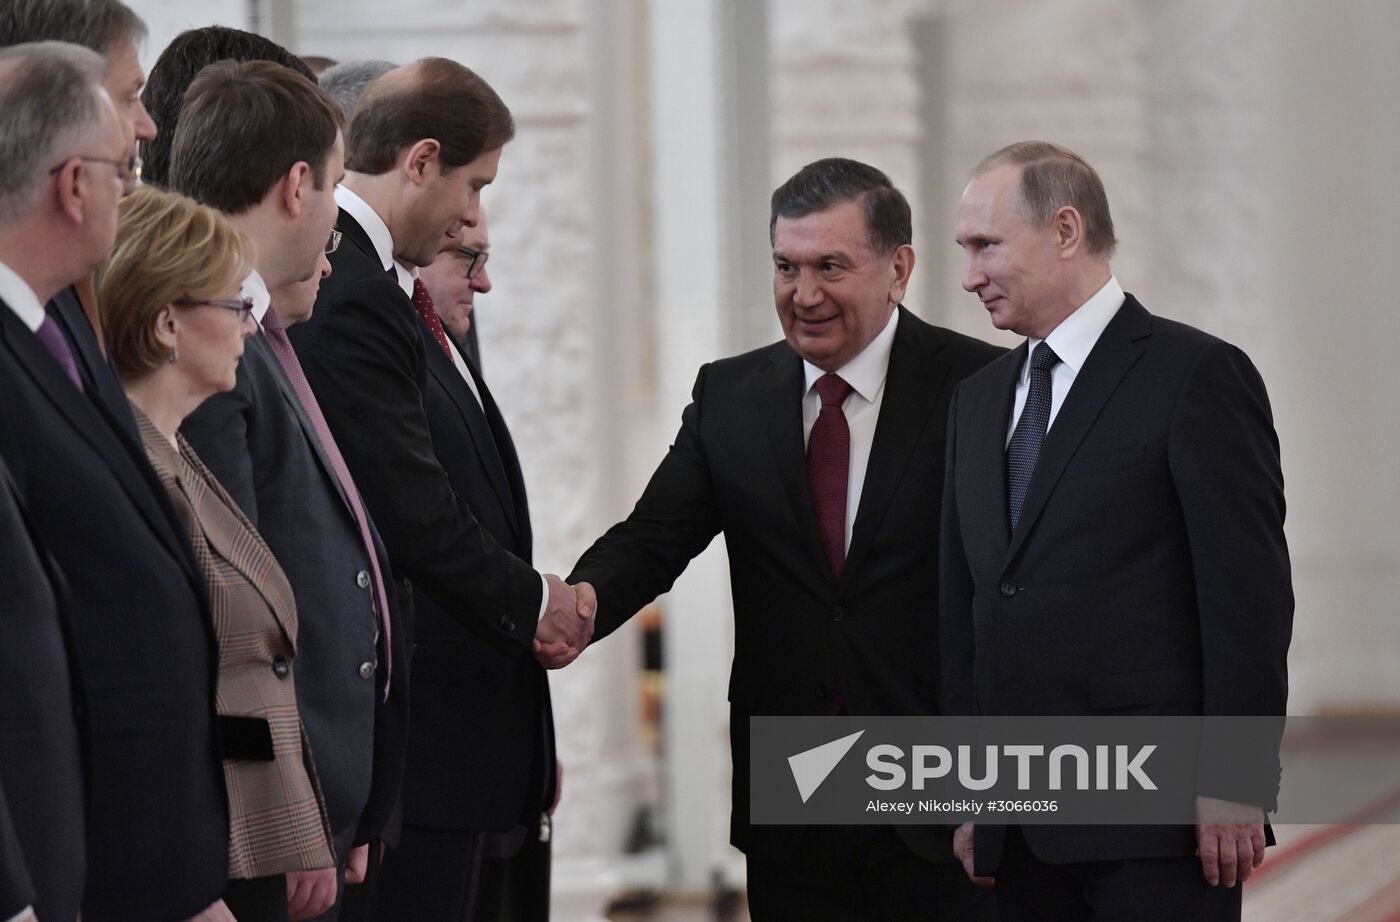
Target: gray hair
1053 176
346 82
49 104
95 24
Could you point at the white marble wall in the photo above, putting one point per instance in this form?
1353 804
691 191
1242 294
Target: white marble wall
1248 148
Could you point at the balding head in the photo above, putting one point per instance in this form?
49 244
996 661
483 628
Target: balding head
431 98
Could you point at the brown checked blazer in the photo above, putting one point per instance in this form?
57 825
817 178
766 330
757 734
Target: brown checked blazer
277 818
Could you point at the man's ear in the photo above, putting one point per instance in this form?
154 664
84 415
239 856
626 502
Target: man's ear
1068 225
295 186
68 190
903 269
420 160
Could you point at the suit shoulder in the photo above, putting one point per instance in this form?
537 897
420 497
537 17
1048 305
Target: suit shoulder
746 363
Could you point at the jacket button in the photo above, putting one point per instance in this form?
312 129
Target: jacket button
508 624
280 668
838 613
823 691
362 579
367 670
1008 589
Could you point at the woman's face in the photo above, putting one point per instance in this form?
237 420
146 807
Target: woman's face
209 339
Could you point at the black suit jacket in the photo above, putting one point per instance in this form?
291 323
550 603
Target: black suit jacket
41 777
363 353
1149 574
142 638
738 465
481 733
100 379
260 444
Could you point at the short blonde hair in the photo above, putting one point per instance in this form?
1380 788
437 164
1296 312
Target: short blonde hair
169 248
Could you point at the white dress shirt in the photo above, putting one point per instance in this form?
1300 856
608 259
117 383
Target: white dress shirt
369 219
255 289
1072 341
866 375
16 292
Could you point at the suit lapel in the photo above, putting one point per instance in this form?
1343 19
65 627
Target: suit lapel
1117 350
91 426
510 463
444 370
986 448
780 407
909 383
259 343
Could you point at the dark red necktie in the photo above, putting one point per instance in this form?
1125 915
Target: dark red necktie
828 468
423 304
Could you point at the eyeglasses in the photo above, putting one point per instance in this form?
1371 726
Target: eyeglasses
333 243
128 171
477 259
244 306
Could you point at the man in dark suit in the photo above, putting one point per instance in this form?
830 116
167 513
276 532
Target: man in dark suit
136 611
233 150
424 141
479 780
41 778
1129 560
820 458
110 28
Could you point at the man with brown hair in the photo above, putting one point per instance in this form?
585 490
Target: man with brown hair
425 139
263 144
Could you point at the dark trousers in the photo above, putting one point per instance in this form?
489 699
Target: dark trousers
853 874
459 876
257 899
1140 890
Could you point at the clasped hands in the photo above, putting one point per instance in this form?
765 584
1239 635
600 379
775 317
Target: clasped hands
567 624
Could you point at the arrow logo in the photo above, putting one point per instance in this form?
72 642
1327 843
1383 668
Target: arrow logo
811 768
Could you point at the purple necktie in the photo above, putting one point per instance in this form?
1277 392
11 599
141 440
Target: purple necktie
282 348
52 337
828 468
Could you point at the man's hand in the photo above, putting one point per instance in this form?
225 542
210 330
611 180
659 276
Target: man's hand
310 893
215 913
558 784
1229 840
357 864
962 850
567 625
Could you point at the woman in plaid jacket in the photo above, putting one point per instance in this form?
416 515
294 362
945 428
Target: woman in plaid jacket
176 323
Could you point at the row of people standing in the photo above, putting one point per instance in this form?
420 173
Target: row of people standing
216 633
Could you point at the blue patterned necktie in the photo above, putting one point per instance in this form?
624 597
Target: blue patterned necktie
1024 449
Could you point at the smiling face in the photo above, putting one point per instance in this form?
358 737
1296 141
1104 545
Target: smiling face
834 293
1016 269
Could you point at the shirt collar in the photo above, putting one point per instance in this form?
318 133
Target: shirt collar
866 372
16 292
1076 335
255 288
369 219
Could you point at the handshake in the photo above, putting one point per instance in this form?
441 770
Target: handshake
567 623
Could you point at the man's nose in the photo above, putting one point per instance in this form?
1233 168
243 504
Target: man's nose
809 291
974 278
